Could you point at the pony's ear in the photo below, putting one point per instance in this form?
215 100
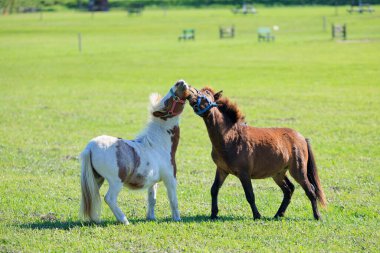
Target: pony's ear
218 95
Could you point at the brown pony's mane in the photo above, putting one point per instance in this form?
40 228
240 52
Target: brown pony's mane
227 107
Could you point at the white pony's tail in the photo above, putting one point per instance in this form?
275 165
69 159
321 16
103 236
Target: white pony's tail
90 207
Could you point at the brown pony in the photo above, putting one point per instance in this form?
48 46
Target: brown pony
255 153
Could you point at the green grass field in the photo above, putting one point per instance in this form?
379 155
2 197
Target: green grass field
53 100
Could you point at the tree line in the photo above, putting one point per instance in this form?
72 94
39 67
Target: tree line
9 6
240 2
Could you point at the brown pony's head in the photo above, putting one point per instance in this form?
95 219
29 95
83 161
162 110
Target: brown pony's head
172 104
202 101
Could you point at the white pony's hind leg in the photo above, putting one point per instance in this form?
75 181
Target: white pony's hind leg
171 187
111 200
152 193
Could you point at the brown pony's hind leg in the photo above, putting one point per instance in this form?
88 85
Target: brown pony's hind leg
299 173
220 176
309 190
250 196
287 188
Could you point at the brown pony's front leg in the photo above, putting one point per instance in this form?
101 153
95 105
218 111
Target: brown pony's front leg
250 196
220 176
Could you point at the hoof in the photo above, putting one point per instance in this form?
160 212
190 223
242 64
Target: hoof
257 217
97 222
278 216
177 219
125 222
317 215
151 218
214 217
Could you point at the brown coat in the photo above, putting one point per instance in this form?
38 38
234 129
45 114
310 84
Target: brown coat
255 153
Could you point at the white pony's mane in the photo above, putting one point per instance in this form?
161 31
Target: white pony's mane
155 100
148 134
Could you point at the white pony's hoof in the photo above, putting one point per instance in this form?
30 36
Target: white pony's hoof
177 219
125 222
97 221
151 218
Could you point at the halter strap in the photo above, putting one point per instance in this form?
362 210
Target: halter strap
207 108
176 100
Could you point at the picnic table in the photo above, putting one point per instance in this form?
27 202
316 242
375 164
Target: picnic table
361 8
339 31
187 34
226 32
265 34
245 9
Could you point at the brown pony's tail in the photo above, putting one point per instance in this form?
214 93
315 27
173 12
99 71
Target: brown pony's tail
312 175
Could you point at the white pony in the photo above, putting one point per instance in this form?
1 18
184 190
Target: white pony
136 164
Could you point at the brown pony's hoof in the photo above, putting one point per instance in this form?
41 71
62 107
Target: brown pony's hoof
278 216
214 217
317 215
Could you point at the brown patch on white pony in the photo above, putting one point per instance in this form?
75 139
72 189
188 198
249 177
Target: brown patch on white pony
128 161
175 140
161 115
136 182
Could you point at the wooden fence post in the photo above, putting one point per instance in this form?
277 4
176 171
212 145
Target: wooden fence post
80 42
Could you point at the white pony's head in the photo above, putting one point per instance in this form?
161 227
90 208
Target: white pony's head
172 104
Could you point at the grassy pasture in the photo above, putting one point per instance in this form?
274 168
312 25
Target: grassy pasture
53 100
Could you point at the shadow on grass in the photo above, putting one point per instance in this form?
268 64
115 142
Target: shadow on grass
206 218
67 225
64 225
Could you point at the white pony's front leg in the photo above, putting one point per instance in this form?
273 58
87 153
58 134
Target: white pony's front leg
171 187
152 193
111 200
